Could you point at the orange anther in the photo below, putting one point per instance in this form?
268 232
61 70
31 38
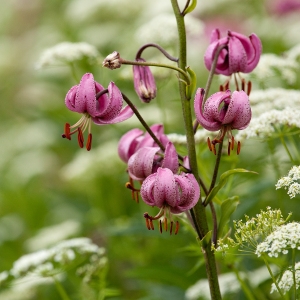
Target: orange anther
148 223
80 138
67 132
238 150
249 88
177 227
89 142
209 144
151 224
160 226
166 224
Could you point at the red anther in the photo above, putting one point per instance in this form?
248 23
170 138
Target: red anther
226 85
177 227
160 226
89 142
148 223
232 142
238 150
209 144
128 185
151 224
249 87
221 88
80 138
166 224
171 227
229 147
243 84
67 132
214 149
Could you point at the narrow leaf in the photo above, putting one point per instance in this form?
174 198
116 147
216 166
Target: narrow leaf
191 7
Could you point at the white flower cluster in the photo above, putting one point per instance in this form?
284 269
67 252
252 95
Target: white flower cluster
286 281
272 66
290 183
285 237
67 52
44 261
263 126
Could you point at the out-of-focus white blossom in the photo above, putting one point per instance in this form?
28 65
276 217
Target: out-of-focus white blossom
294 53
152 30
272 66
290 183
286 281
284 238
263 126
67 52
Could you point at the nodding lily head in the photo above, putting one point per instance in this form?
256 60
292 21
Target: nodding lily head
223 112
101 110
172 193
240 53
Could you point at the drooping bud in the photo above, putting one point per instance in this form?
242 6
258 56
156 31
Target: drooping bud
144 82
112 61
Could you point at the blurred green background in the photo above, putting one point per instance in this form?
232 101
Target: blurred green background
46 180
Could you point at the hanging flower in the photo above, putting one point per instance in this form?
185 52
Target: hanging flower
240 53
144 82
172 193
106 109
135 139
223 111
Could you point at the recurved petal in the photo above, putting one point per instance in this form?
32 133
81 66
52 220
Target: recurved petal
237 56
140 164
238 111
86 93
253 60
170 160
190 192
128 143
198 102
112 108
165 189
70 98
147 189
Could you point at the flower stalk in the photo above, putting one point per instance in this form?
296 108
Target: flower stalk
198 212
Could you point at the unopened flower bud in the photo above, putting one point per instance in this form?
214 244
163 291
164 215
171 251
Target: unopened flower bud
144 82
112 61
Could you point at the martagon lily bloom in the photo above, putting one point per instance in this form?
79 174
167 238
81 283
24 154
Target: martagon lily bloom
240 53
223 112
106 109
172 193
136 139
144 82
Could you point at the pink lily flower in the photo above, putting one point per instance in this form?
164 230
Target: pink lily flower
147 160
223 111
241 53
135 139
172 193
144 82
106 109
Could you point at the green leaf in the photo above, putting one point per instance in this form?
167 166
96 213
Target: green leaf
206 239
223 180
227 209
191 7
190 89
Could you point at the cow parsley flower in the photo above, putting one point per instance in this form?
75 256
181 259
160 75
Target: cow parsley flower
290 182
284 238
286 281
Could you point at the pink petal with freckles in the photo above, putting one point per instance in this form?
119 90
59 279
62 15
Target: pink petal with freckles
253 60
170 160
125 114
215 35
70 98
128 143
147 189
190 193
140 164
110 110
147 141
86 93
239 111
237 56
209 125
165 190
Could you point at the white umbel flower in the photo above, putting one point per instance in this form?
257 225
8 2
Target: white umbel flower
290 183
284 238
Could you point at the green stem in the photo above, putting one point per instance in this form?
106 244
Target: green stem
60 289
273 277
243 284
152 64
294 273
286 148
198 212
